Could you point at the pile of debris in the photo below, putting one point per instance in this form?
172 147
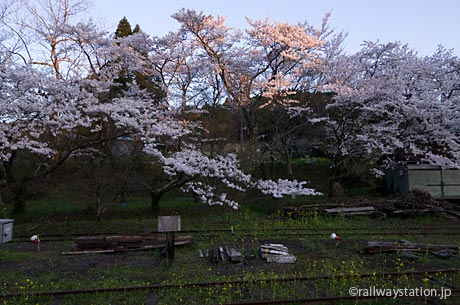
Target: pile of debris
417 202
221 254
125 243
276 253
410 249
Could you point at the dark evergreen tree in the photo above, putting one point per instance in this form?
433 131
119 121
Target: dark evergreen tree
123 29
144 80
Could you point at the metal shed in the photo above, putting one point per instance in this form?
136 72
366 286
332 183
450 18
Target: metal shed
6 230
441 183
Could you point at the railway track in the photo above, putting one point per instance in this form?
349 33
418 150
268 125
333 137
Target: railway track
155 288
321 300
281 232
239 282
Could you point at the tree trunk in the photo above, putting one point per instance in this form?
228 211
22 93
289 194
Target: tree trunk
19 196
155 197
272 169
99 208
3 180
287 155
157 194
289 165
265 170
335 189
3 184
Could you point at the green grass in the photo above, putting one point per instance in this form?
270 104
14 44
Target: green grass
22 270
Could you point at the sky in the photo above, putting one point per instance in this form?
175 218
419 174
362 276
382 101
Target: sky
423 25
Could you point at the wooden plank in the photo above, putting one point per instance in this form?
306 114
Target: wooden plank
90 238
88 252
95 245
129 239
180 237
223 254
351 210
379 246
364 213
413 245
442 253
152 247
235 256
409 255
410 212
281 259
215 256
276 247
270 251
454 213
123 248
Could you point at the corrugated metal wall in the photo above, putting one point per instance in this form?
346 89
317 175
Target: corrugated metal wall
439 182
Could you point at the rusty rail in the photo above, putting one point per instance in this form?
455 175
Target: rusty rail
155 287
281 232
320 300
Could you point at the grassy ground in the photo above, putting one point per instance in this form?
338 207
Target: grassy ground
24 271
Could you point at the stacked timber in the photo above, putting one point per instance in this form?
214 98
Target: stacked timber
352 211
332 210
415 203
123 243
410 249
276 253
221 254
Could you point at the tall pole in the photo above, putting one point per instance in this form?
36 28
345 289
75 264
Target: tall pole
170 246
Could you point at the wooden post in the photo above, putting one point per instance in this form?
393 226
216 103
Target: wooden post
169 225
170 246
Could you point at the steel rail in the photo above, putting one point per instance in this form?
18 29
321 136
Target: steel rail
154 287
267 229
323 299
282 232
277 229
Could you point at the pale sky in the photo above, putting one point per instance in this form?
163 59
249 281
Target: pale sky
423 25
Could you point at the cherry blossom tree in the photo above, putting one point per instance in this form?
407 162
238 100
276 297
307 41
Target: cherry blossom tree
54 113
42 26
187 77
391 105
172 143
262 67
67 111
269 59
36 109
